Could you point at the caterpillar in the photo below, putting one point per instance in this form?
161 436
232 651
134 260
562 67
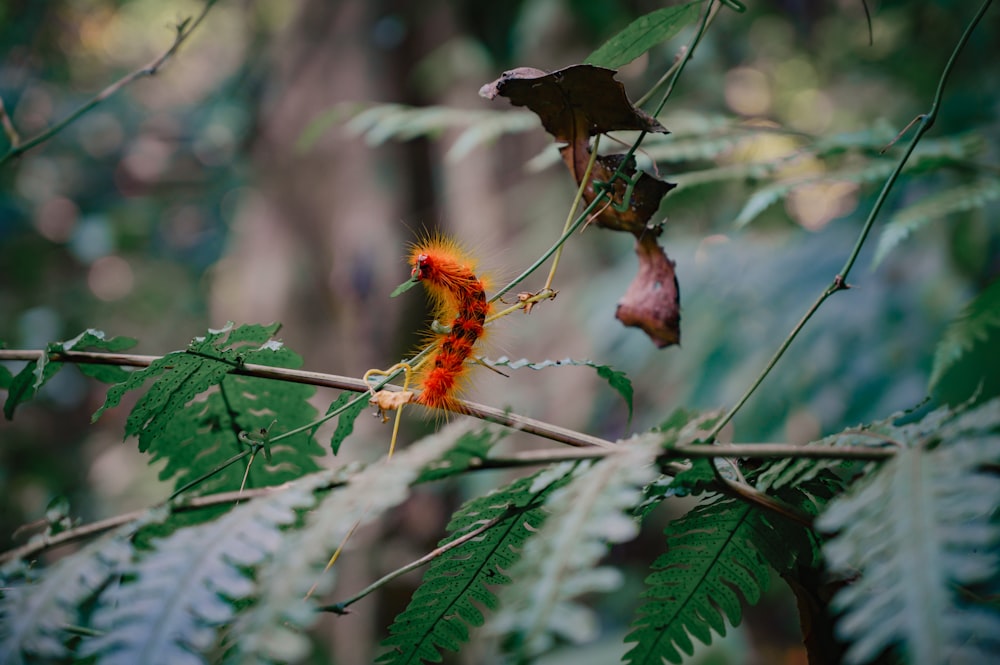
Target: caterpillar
448 274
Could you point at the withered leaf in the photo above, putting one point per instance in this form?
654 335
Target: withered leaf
644 199
573 103
652 301
582 101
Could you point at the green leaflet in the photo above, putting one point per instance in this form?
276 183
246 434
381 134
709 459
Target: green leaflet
616 379
271 630
457 584
936 207
35 374
34 617
922 533
712 559
176 597
194 411
349 412
559 563
470 446
966 362
643 34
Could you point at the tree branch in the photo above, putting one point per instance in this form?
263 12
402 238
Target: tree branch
18 147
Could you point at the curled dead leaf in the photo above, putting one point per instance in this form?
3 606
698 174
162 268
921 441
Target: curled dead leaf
573 103
652 301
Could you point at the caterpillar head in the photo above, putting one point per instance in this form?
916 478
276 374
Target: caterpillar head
421 267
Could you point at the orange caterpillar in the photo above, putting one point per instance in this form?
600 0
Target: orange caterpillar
458 296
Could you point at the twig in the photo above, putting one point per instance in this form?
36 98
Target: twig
8 127
184 30
840 280
42 543
341 607
481 411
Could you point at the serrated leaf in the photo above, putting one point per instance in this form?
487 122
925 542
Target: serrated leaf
643 34
972 337
37 373
558 564
912 218
34 617
192 414
618 380
458 584
177 596
711 566
917 531
272 629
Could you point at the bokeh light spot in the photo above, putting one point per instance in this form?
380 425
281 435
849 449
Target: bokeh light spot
747 91
110 278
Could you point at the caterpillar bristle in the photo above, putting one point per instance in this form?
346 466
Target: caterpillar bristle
448 273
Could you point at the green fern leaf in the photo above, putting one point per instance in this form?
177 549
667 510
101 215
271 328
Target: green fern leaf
350 406
911 219
619 381
559 563
271 630
193 413
711 560
34 617
915 530
36 373
470 447
965 360
177 596
457 584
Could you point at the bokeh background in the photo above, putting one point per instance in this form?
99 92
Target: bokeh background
259 177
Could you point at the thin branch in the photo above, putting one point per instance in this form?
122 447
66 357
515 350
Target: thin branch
481 411
840 280
341 607
42 543
184 30
8 126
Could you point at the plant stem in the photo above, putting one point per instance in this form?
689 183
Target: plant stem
18 147
572 209
341 607
840 280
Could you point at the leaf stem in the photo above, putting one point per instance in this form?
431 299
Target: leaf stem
341 607
840 280
572 209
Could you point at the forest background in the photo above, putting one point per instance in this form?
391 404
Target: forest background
263 175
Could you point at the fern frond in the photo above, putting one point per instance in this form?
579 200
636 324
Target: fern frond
711 561
979 320
928 156
34 617
345 421
471 446
913 218
618 380
385 122
271 630
558 564
36 373
195 433
457 585
174 599
915 530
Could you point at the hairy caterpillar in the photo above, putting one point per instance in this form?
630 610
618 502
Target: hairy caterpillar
448 274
